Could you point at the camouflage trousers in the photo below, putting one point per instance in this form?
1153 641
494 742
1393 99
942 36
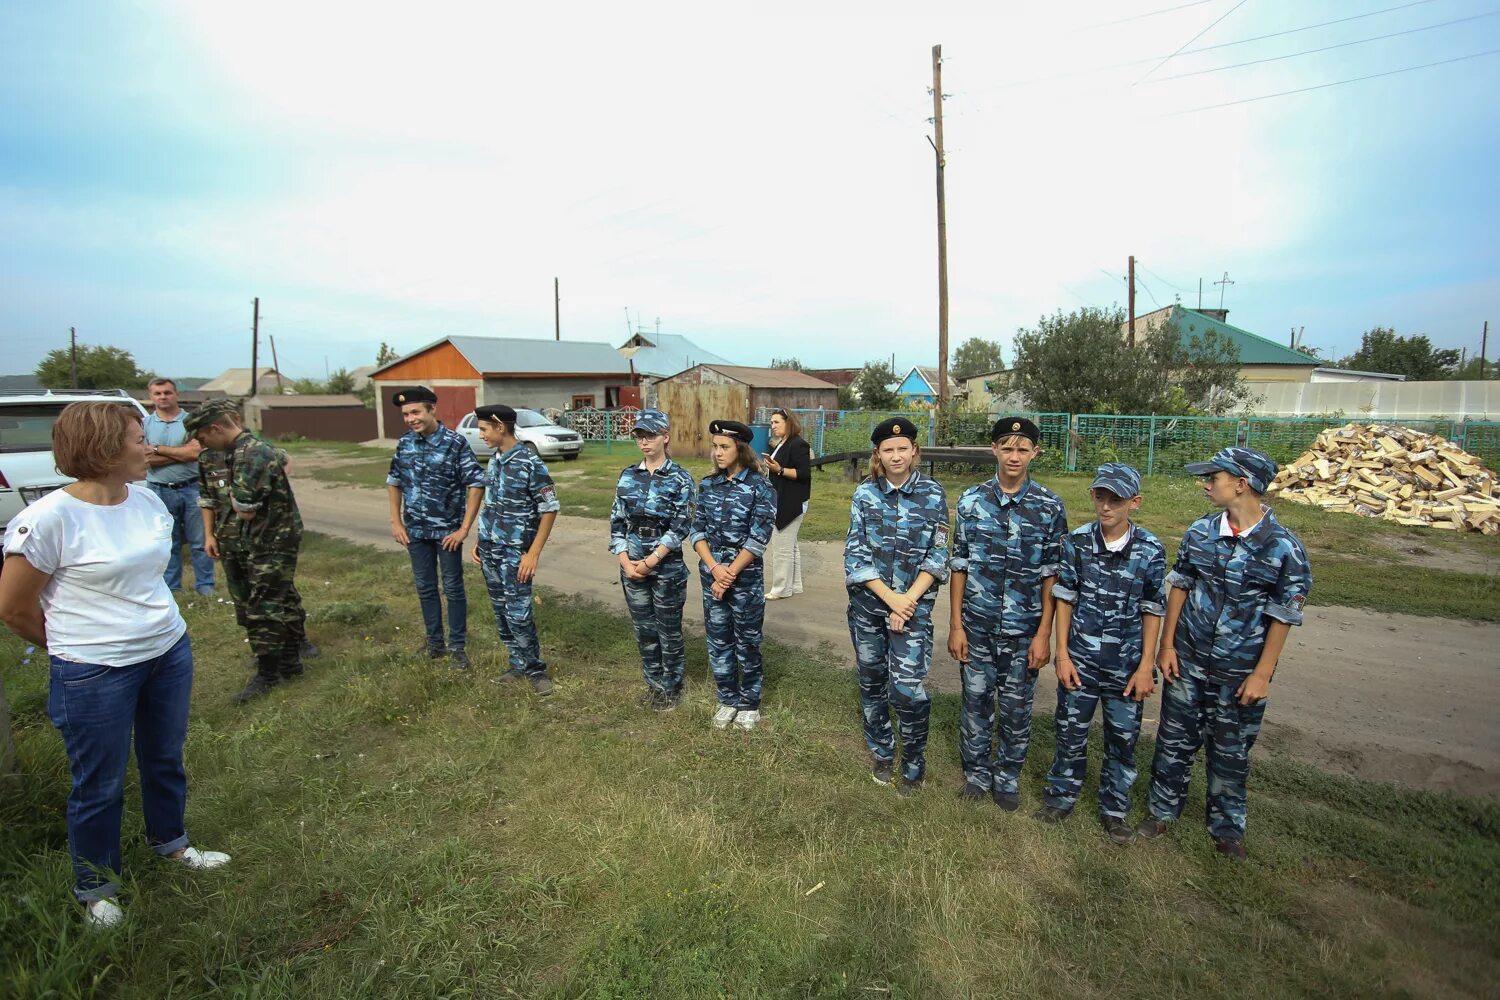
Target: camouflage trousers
892 667
1122 727
655 605
511 601
266 602
1197 712
995 674
733 630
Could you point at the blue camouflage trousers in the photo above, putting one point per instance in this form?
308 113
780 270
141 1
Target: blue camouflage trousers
655 605
996 673
1122 727
892 667
733 630
511 600
1196 711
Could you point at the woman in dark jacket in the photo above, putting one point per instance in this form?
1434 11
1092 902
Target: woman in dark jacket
789 467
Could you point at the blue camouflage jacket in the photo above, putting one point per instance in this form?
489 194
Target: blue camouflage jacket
518 490
1007 545
1234 585
1109 592
734 513
434 475
651 509
895 533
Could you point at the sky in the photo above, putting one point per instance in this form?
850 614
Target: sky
760 182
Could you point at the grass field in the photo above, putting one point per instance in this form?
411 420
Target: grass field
1357 562
400 831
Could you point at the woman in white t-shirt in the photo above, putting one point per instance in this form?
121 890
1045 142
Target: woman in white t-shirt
83 574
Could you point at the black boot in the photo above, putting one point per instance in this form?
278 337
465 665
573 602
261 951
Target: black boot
267 676
291 661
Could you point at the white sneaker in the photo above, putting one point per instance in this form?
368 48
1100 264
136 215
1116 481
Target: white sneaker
103 913
201 860
724 716
747 720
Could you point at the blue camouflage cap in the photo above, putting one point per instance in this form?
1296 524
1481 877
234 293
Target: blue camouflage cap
650 422
1119 478
1258 469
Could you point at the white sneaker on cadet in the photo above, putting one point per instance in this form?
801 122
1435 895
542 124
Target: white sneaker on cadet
199 860
747 719
103 913
724 716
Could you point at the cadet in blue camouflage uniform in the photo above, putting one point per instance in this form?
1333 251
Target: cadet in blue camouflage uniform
1007 544
1109 594
651 517
251 524
1235 591
520 505
434 487
731 528
895 559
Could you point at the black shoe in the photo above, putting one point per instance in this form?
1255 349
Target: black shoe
650 699
309 650
513 674
1009 801
668 702
458 659
1117 830
971 792
909 787
541 684
259 685
882 771
1150 828
436 652
1231 847
1051 814
291 662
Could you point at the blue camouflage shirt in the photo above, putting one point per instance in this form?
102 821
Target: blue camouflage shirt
1234 585
1007 544
896 533
734 512
1109 592
651 509
518 490
434 475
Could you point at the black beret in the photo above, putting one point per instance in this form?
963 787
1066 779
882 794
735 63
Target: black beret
1009 426
499 412
416 394
892 428
730 428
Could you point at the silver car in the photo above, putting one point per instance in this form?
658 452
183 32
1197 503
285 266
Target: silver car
540 436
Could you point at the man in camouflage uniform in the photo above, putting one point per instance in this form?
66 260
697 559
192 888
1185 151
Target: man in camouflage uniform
1235 591
251 524
1006 548
895 559
515 520
1109 610
434 486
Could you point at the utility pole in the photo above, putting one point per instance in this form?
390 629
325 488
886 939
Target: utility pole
556 311
73 353
1130 298
1222 285
255 348
276 366
1200 293
942 223
1484 345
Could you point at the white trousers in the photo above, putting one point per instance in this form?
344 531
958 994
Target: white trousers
786 561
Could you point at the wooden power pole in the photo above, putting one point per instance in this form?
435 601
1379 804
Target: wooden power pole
73 354
942 223
1484 345
255 348
276 367
556 311
1130 297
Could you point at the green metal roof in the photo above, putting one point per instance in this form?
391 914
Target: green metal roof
1254 349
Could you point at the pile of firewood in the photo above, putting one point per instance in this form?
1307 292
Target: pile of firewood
1396 474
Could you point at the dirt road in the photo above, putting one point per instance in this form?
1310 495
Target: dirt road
1389 697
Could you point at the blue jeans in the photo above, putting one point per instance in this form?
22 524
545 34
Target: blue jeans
428 558
182 504
96 709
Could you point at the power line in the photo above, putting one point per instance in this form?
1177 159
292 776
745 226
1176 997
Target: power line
1141 17
1326 48
1164 281
1190 41
1142 282
1309 27
1334 83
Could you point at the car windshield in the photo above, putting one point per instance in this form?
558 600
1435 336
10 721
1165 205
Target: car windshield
531 418
28 426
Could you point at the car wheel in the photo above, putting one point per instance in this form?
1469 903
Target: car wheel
531 448
571 458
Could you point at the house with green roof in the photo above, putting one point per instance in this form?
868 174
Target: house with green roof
1261 359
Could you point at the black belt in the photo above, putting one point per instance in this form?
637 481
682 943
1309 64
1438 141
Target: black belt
177 486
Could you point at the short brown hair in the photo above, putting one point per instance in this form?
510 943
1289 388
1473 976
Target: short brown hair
163 380
793 425
88 438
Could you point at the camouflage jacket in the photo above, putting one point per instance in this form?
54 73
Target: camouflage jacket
1234 584
734 513
1109 592
434 475
896 533
1007 545
518 490
651 509
250 476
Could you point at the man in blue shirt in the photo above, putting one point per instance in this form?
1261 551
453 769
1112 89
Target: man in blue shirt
172 474
435 486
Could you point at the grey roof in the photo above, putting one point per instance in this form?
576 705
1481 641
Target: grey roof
669 353
528 356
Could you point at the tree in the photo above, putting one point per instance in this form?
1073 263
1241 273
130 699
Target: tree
98 368
872 386
385 355
976 355
1380 350
340 382
793 364
1469 370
